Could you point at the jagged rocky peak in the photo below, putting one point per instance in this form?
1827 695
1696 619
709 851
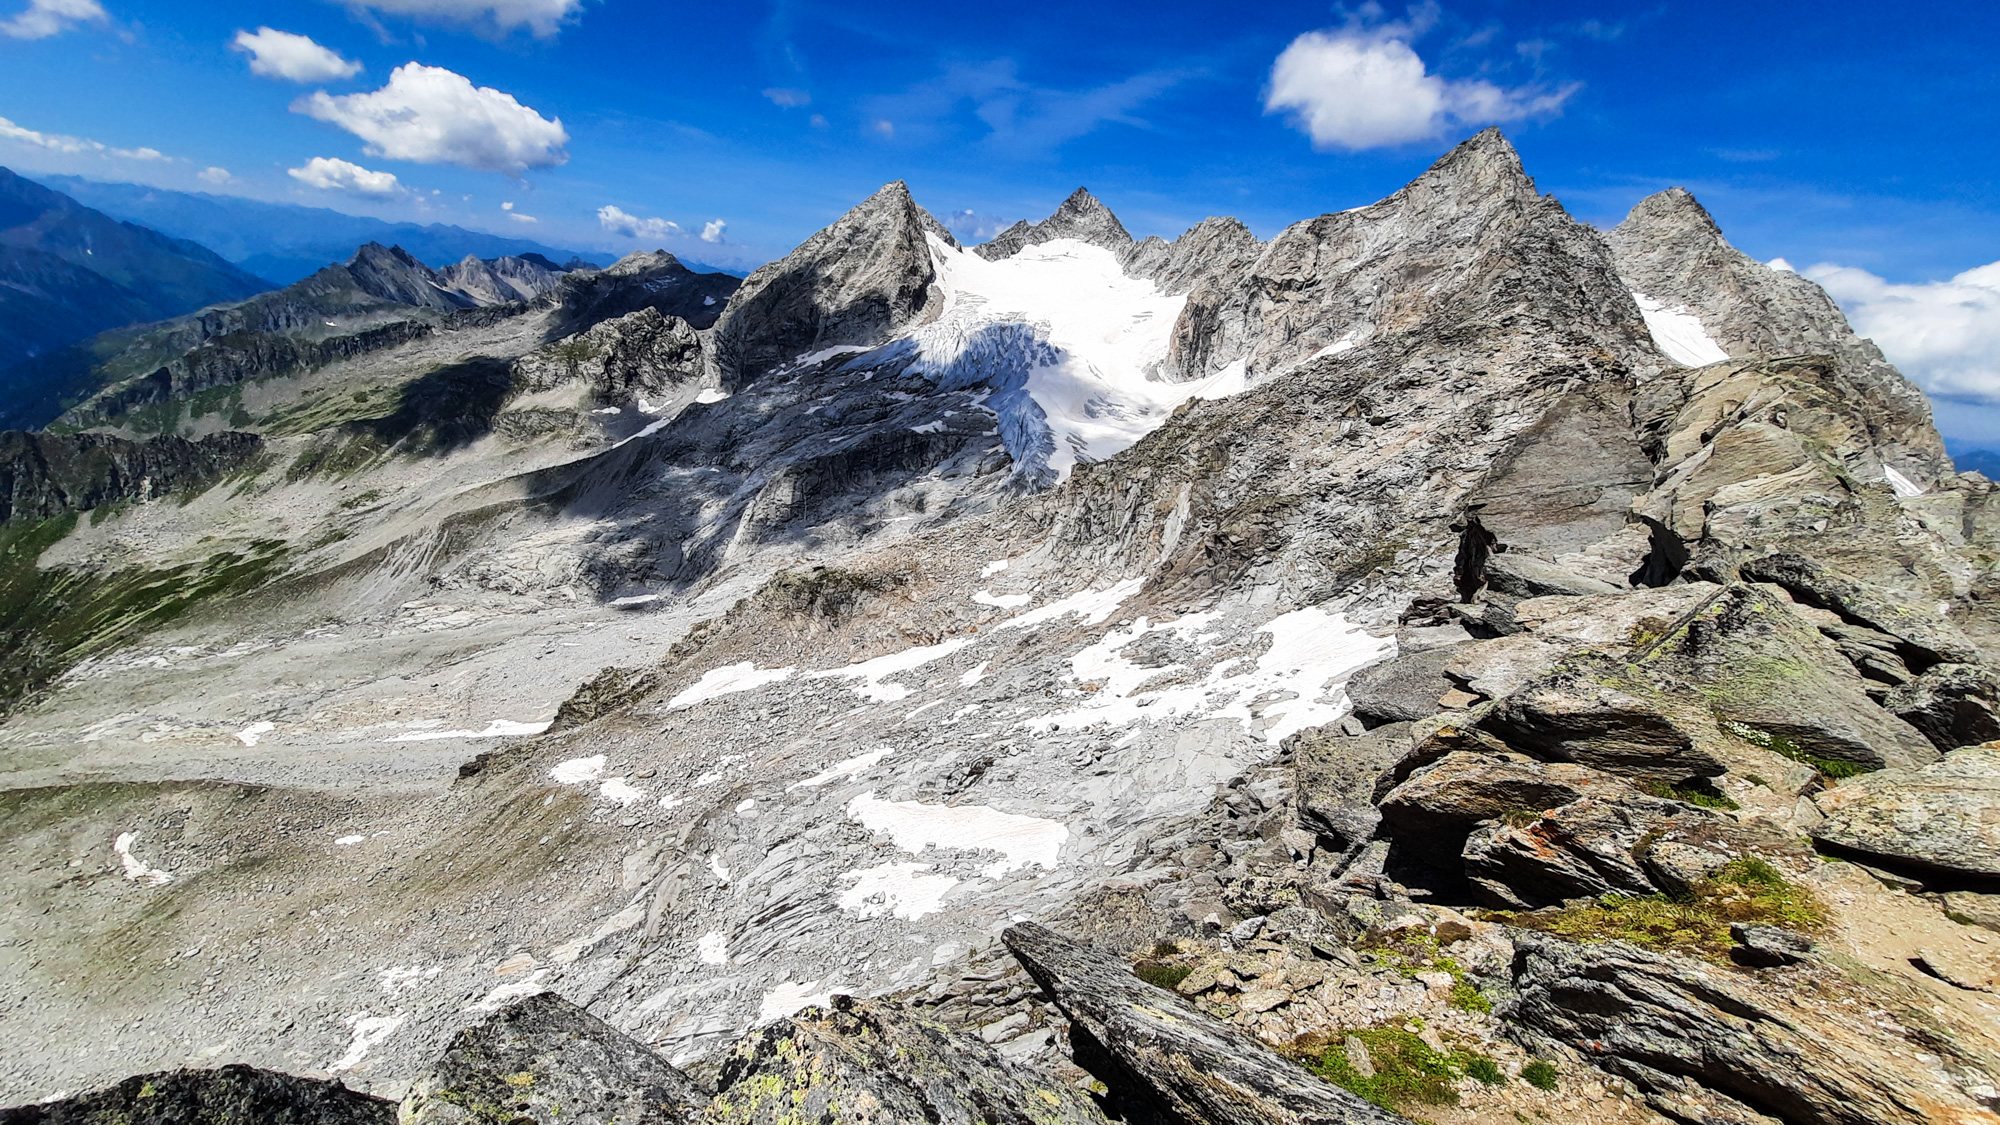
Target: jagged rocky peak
500 280
854 283
1210 248
1487 245
1673 255
1082 216
391 273
644 261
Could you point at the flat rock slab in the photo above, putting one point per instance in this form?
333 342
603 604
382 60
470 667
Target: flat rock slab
230 1095
860 1061
1191 1066
545 1061
1945 815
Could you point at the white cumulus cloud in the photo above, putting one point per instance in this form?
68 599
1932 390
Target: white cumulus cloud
1943 334
44 18
431 115
712 231
1365 87
619 221
331 174
214 175
542 17
294 58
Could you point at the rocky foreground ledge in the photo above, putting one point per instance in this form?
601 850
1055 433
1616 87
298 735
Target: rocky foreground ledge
1171 1034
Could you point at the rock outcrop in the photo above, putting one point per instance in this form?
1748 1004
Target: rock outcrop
46 475
1689 1035
851 284
1670 249
545 1060
858 1060
1154 1047
229 1095
1940 817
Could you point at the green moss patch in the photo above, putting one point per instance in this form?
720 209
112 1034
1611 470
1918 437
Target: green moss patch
1778 744
1748 890
1408 1072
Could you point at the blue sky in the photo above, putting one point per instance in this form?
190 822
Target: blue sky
1843 135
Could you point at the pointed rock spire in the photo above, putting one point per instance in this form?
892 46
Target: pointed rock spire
1082 216
855 282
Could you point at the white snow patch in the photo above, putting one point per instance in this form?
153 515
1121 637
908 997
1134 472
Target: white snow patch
848 768
707 302
993 568
1679 333
871 673
348 841
716 869
635 599
788 998
620 792
935 426
924 708
1903 485
728 680
747 804
1091 605
576 771
249 735
368 1032
709 395
505 994
609 410
1024 840
712 948
135 868
897 889
498 728
1066 341
1002 601
1285 692
975 675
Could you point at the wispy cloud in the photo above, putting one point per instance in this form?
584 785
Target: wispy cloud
619 221
1014 116
44 18
1364 86
59 142
788 97
543 18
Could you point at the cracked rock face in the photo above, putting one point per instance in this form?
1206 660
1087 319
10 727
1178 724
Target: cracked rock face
1939 816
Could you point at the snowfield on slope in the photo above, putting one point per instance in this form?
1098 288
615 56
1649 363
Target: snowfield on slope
1065 340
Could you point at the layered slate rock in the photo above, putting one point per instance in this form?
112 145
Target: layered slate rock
1081 217
858 1061
1944 816
44 475
229 1095
854 283
645 352
545 1060
1187 1065
1684 1032
1670 249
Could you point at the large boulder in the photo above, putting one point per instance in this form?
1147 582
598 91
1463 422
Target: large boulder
1684 1032
1440 803
1338 778
1150 1045
1583 713
859 1061
545 1061
1585 848
1944 816
1401 690
229 1095
1954 705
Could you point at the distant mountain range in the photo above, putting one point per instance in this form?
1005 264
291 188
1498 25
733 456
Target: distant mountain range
286 241
1972 458
68 272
